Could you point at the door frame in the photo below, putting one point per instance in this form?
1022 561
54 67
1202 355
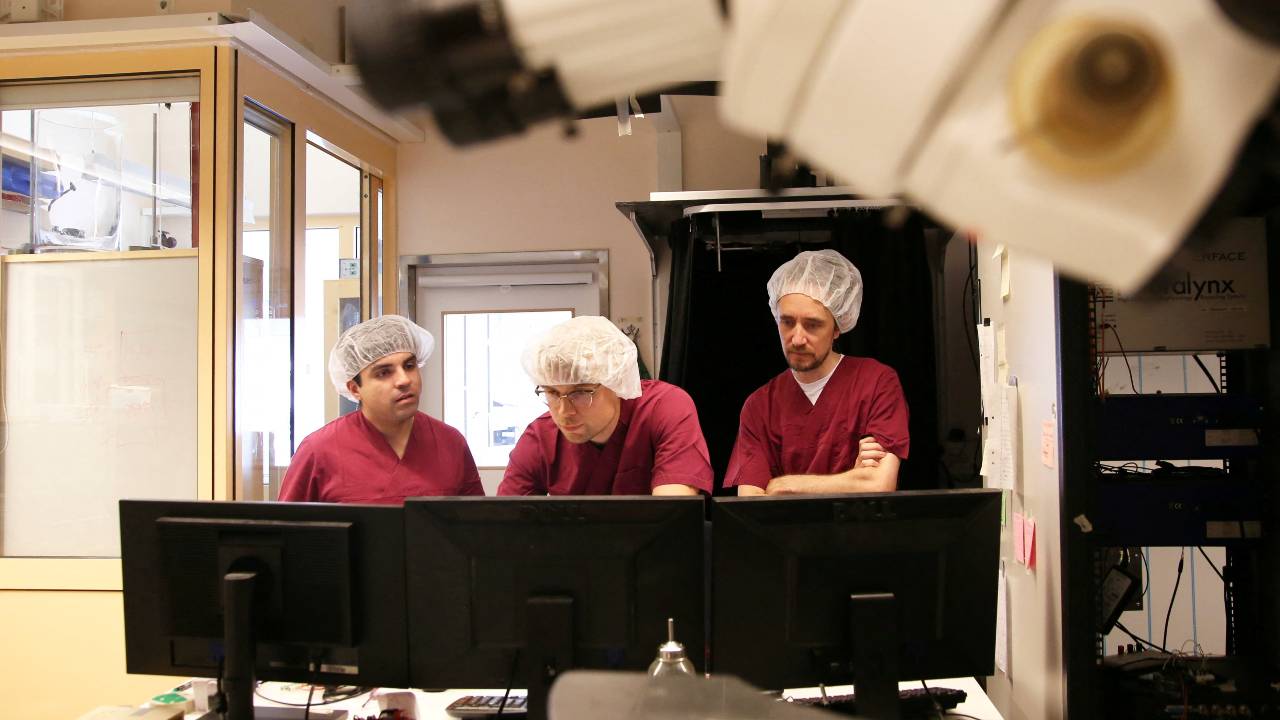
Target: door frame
410 265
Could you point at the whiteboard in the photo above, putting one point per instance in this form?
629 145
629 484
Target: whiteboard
100 399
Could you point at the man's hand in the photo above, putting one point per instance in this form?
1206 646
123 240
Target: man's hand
870 453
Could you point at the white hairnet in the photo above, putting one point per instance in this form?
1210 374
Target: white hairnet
588 349
372 340
824 275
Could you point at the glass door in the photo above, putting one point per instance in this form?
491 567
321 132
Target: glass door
264 306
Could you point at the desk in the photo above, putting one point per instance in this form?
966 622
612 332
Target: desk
431 706
976 704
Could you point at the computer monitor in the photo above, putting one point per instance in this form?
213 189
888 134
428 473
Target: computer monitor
870 589
516 590
274 591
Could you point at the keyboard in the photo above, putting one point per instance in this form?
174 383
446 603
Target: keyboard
471 706
914 702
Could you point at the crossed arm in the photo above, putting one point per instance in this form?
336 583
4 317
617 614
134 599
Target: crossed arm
874 471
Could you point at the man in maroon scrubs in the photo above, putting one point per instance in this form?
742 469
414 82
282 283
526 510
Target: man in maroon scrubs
801 431
607 431
387 450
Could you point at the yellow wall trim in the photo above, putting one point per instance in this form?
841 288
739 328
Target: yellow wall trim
60 574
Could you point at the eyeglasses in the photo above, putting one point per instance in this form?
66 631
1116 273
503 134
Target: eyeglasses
580 399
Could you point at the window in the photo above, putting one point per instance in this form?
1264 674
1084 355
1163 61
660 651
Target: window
112 174
489 398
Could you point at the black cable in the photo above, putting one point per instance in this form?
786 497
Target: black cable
330 701
315 675
1124 355
969 307
1177 580
966 299
938 708
1120 626
1207 374
336 694
1146 566
219 703
929 694
511 678
1212 567
1145 569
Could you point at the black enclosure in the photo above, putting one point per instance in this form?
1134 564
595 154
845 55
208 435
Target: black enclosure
326 586
916 572
721 342
517 590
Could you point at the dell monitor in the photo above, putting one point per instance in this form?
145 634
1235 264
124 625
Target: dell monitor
870 589
274 591
516 590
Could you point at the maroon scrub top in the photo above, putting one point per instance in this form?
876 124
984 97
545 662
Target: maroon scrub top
781 433
349 461
658 441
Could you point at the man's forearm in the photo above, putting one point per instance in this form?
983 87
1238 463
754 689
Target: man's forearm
675 489
883 478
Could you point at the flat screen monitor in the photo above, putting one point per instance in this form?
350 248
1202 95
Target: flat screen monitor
516 590
871 589
270 591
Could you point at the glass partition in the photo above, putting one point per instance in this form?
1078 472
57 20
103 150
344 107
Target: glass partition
101 296
330 283
98 177
264 332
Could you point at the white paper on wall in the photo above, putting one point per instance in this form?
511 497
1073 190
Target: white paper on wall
1009 436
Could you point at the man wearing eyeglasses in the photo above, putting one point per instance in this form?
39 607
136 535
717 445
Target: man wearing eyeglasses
606 432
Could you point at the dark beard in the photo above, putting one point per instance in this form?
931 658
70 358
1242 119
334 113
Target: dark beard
800 364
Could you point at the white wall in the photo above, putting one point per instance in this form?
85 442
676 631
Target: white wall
715 157
1033 689
542 191
539 191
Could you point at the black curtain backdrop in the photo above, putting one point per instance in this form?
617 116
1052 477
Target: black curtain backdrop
721 342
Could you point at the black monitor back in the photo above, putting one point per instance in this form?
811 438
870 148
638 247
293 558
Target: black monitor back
628 563
333 589
785 568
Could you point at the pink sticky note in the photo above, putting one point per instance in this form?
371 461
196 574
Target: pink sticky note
1019 538
1029 543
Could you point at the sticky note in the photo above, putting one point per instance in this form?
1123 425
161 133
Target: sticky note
1029 542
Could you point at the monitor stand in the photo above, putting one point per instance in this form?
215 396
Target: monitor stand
873 647
237 638
548 648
